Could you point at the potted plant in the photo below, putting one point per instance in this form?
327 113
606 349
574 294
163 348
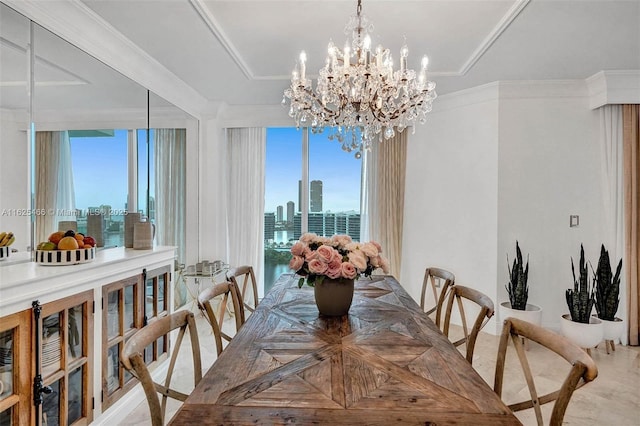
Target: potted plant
330 265
579 326
518 291
608 297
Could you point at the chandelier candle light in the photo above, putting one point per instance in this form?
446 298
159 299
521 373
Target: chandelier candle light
358 94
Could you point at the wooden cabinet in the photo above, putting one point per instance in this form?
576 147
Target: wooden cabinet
15 369
110 298
66 359
121 317
127 305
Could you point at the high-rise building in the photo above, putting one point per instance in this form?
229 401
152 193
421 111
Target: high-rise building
315 196
297 226
290 212
316 223
269 226
279 214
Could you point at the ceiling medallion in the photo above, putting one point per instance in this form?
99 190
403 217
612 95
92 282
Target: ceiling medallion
359 96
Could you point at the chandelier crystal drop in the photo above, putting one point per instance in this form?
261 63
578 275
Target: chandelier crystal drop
359 96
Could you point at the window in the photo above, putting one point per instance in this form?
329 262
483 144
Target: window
99 161
330 205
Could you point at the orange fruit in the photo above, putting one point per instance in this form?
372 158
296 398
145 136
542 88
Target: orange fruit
79 237
56 237
68 243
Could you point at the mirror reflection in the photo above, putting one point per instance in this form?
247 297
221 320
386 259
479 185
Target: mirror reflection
103 145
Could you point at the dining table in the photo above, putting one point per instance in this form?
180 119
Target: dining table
385 362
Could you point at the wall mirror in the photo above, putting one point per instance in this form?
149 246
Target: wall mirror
97 143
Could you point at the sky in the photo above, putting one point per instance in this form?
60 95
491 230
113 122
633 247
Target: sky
339 171
100 173
100 170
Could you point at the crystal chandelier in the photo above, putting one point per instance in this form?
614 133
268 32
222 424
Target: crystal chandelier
359 96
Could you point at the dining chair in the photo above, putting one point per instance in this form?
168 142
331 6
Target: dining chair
583 368
247 278
225 290
486 311
132 358
436 278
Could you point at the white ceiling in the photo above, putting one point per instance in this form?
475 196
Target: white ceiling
242 52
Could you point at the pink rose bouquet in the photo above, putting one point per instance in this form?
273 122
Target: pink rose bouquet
315 257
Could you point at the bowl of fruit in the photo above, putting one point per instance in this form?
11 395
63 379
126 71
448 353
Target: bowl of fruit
6 239
66 248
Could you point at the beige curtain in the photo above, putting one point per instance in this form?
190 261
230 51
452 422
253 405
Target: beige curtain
46 177
384 186
631 155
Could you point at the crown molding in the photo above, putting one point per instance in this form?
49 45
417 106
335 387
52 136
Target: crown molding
73 21
493 35
614 87
216 29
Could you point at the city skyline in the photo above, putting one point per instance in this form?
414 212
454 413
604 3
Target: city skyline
339 172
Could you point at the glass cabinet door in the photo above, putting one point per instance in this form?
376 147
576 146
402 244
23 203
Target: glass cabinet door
156 305
66 343
15 369
122 316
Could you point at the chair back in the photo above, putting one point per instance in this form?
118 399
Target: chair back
458 292
243 277
583 368
132 358
436 278
216 321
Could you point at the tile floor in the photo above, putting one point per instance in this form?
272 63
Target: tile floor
612 399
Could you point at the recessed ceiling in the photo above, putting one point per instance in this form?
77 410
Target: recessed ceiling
242 52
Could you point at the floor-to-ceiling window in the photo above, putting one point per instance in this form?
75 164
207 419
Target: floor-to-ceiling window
311 185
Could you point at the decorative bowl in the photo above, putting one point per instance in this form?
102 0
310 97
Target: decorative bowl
65 257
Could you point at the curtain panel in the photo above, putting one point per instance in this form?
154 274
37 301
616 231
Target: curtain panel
170 164
246 152
54 188
631 154
383 196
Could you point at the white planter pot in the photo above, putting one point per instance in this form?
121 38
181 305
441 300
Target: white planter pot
612 330
583 335
532 314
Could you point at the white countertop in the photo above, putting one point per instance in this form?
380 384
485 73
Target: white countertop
21 282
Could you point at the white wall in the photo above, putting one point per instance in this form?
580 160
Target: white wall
451 199
14 180
549 168
498 163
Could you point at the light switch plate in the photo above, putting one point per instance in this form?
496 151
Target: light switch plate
574 220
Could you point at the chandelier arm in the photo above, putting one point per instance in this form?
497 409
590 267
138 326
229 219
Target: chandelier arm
314 98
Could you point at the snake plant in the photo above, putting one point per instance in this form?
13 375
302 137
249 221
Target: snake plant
517 288
607 287
580 299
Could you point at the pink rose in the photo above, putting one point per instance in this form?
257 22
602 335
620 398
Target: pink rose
334 269
309 237
337 257
358 259
375 261
317 267
369 249
348 270
377 244
298 249
296 263
353 246
384 264
324 253
340 240
308 253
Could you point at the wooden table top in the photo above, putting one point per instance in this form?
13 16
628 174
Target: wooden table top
386 362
